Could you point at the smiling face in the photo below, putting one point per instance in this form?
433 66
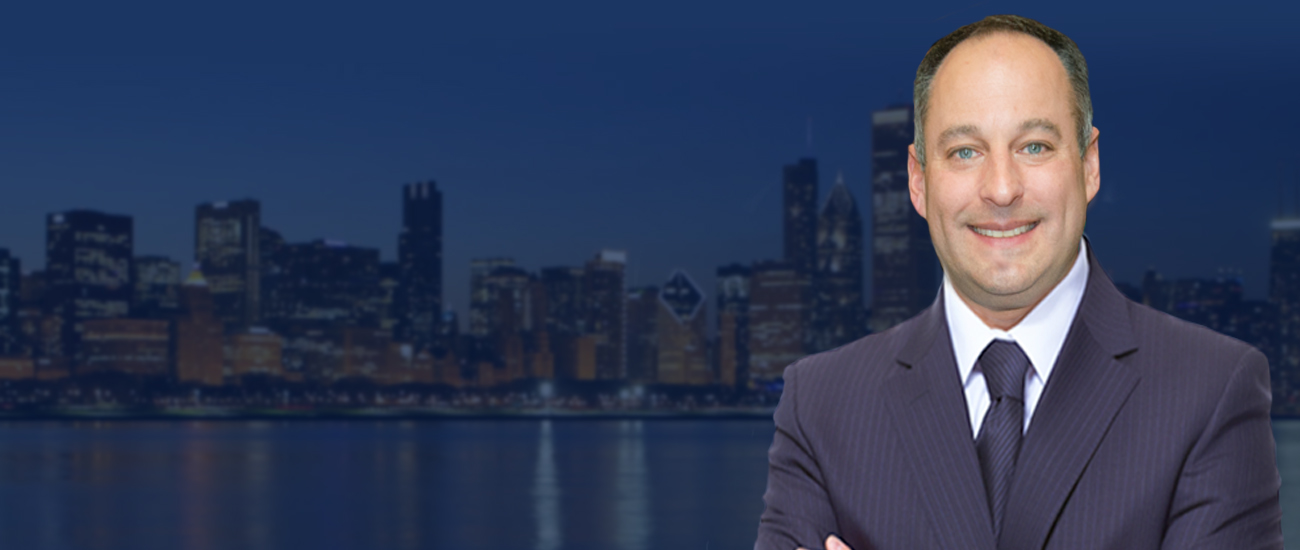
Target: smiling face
1004 190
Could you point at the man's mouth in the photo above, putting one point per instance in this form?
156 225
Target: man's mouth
996 234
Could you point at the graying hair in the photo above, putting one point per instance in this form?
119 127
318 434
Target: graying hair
1075 67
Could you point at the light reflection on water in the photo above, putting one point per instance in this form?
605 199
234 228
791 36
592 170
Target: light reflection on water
546 492
512 484
1287 435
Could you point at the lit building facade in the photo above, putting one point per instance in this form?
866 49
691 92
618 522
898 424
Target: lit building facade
129 346
733 323
800 214
838 315
776 319
683 348
11 281
87 272
642 334
227 239
418 305
157 283
198 338
604 294
1284 295
905 270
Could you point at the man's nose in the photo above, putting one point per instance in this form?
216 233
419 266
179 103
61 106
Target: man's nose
1002 181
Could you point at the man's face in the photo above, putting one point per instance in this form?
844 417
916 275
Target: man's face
1003 190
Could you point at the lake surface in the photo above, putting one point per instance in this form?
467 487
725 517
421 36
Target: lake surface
499 484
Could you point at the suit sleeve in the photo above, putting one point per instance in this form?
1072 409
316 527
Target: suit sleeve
797 507
1227 493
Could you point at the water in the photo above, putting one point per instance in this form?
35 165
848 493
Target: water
508 484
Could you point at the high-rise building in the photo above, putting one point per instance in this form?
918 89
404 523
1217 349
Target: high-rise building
87 271
565 316
733 323
838 315
131 346
905 270
683 349
800 215
389 282
642 334
481 298
227 239
11 281
157 287
331 282
604 295
198 338
271 252
509 320
777 293
1284 294
418 306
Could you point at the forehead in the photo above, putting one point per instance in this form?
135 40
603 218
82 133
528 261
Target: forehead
1001 77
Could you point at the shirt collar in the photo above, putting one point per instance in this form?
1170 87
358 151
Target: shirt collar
1040 334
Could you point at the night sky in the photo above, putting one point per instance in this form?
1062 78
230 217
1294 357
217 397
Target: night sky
557 129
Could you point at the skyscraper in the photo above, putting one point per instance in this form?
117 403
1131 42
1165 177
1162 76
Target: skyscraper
1284 294
198 335
227 239
604 294
776 319
800 221
683 350
330 282
905 271
88 270
838 315
733 323
642 333
157 283
11 280
419 250
482 300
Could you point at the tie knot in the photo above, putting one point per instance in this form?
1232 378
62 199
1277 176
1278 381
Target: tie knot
1004 365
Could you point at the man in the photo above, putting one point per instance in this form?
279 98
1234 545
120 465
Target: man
1032 406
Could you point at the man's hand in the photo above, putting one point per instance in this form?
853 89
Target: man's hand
833 543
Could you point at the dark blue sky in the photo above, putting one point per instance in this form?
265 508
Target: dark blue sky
555 129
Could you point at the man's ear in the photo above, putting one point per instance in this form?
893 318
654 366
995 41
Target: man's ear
1092 166
916 180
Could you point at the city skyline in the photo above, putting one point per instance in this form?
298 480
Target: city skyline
586 129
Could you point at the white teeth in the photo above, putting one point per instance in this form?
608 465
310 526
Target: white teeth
1004 234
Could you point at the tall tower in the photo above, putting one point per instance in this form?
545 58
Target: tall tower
905 271
419 250
838 314
482 300
1284 293
227 236
604 293
777 317
800 227
683 350
88 270
733 323
11 279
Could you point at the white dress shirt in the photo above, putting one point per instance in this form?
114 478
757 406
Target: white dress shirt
1040 334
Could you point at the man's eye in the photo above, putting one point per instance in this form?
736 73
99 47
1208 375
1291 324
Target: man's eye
1034 148
965 153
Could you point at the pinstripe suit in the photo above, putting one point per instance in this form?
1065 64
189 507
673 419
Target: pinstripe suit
1151 433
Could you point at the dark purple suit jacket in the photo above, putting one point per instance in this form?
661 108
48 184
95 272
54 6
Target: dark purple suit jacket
1151 433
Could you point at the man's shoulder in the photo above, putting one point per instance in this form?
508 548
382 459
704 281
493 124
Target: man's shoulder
864 360
1163 334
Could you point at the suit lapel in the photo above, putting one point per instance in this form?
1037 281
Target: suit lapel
1087 389
929 412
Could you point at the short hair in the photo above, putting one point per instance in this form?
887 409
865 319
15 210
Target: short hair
1068 52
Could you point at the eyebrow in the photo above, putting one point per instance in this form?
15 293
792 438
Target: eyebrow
1041 124
957 131
971 130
